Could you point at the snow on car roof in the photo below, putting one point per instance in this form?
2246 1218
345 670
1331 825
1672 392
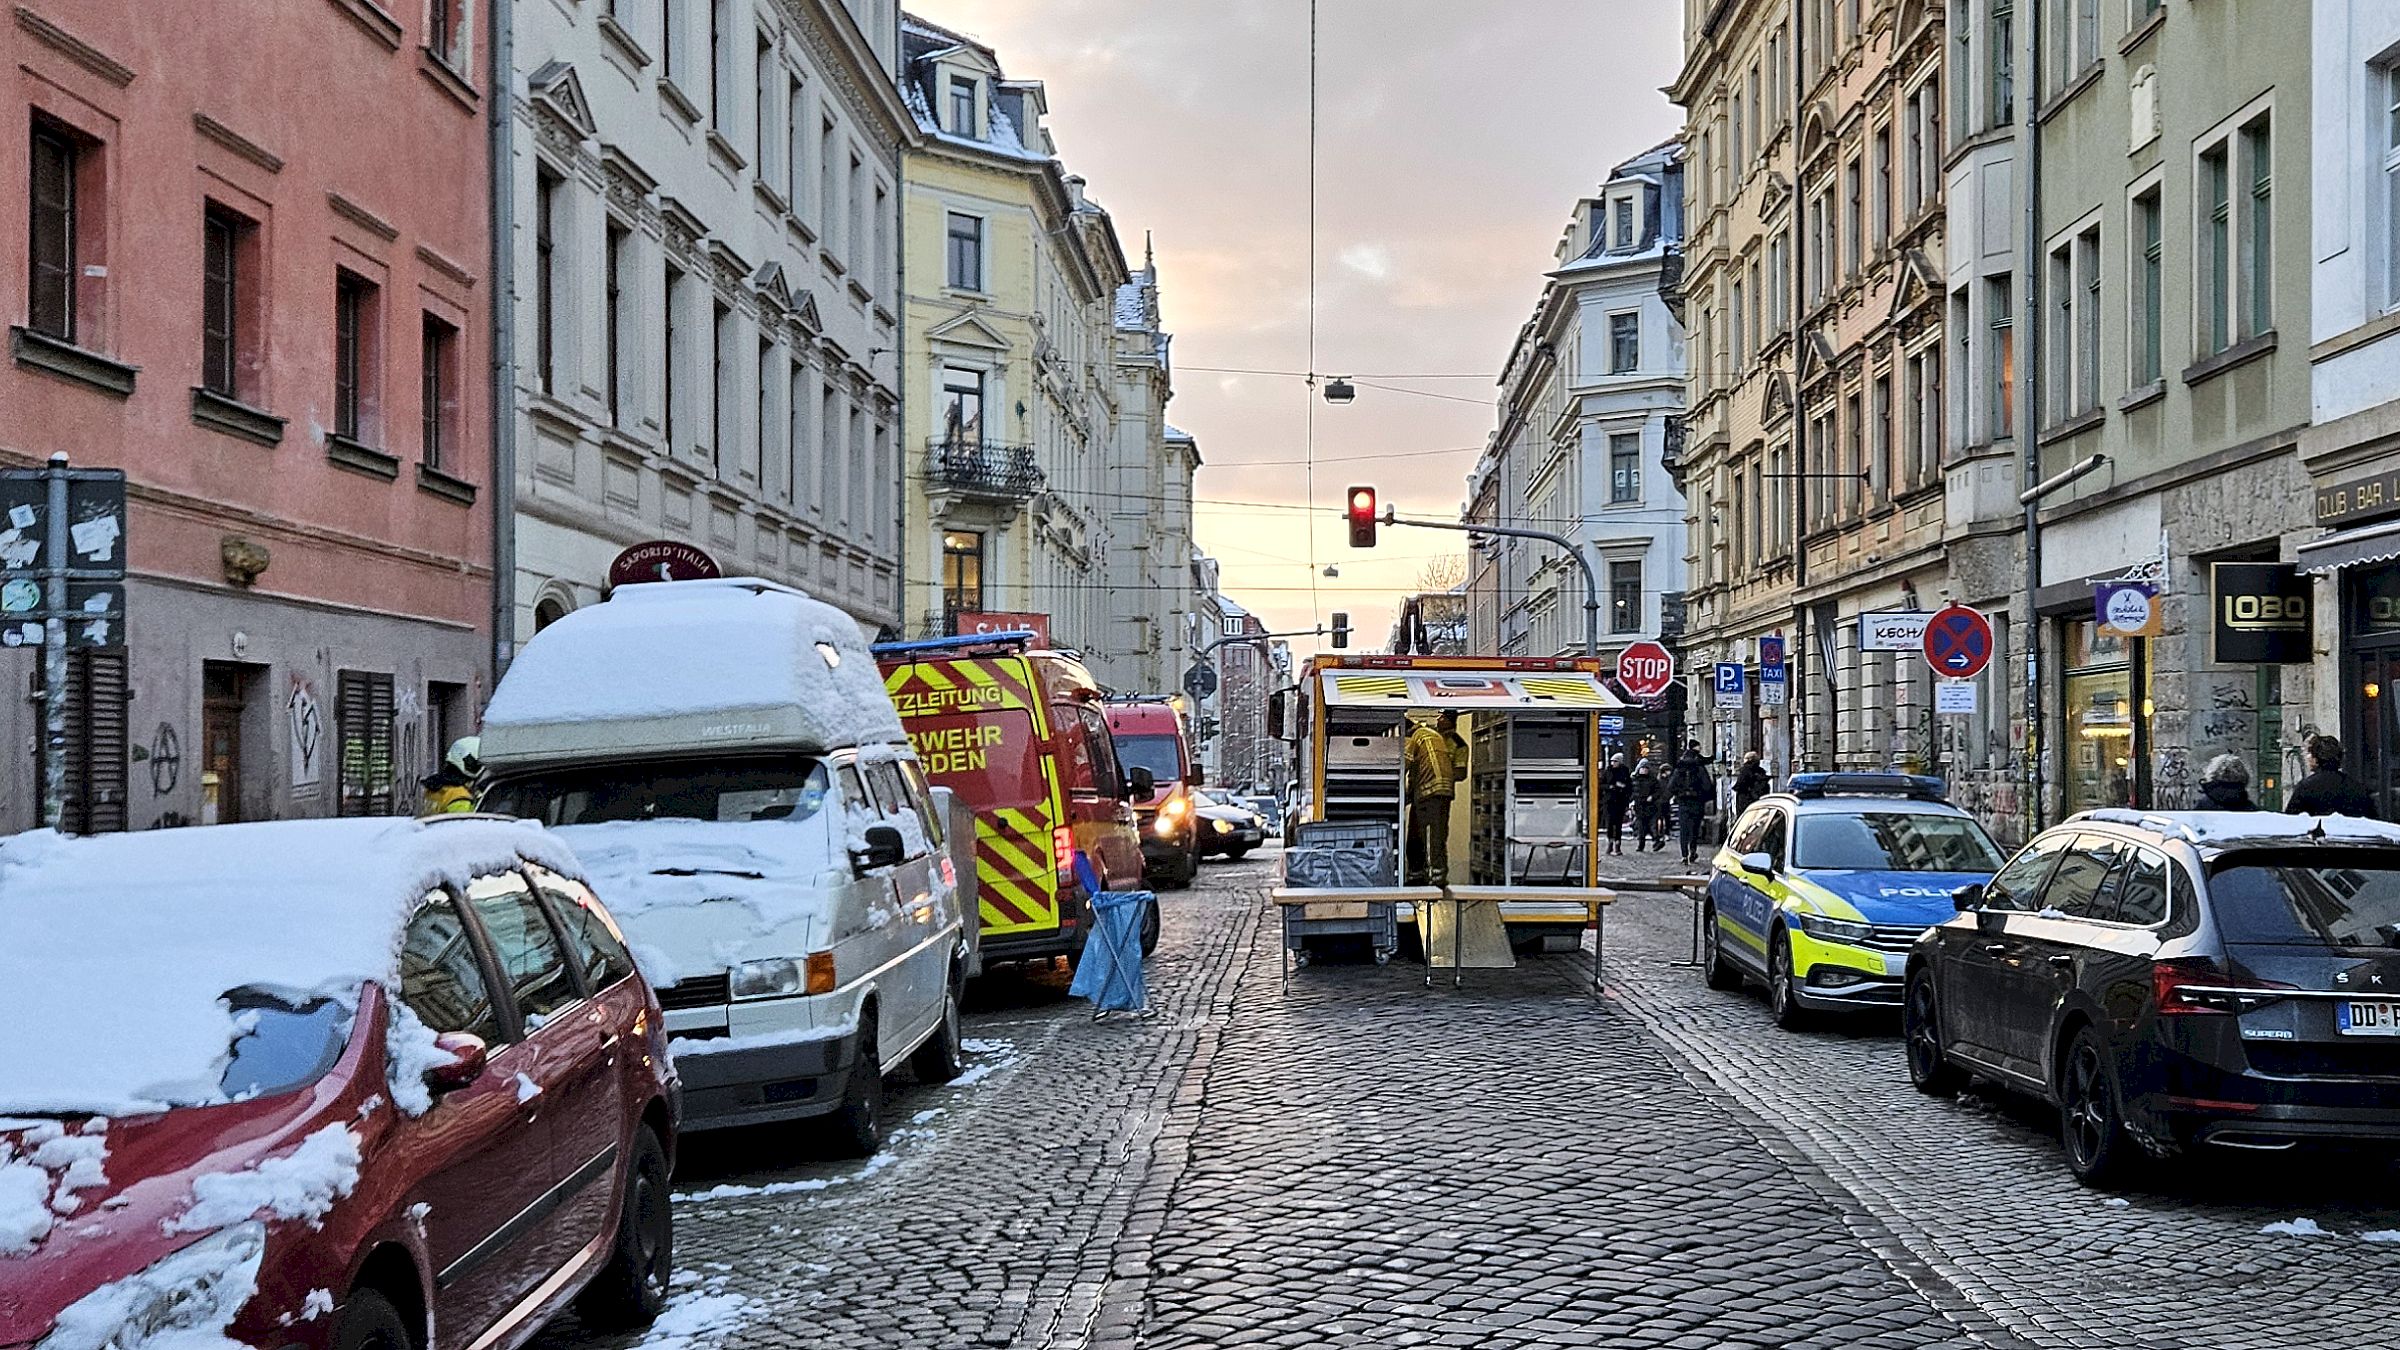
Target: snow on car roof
2221 828
116 951
675 665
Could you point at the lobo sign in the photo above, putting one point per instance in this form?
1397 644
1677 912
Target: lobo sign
1646 669
2261 612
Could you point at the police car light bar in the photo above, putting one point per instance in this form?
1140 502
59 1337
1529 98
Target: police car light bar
1013 637
1923 787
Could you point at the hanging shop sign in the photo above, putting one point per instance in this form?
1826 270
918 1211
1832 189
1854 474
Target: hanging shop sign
2126 608
2262 613
661 560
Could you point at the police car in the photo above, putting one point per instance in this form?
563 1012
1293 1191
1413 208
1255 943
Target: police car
1820 891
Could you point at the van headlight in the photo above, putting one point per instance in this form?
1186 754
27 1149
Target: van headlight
195 1292
779 977
1835 930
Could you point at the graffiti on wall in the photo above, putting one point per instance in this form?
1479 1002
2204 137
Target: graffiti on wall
307 718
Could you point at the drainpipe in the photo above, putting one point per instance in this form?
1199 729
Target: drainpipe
2029 367
503 106
900 445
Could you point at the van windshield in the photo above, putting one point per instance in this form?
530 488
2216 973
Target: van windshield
783 787
1159 754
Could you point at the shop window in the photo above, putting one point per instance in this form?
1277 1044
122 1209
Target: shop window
2104 721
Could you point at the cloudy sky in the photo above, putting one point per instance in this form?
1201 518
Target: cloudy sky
1454 137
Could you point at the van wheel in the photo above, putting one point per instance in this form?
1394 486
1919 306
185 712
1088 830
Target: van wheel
1186 871
1150 926
858 1124
939 1059
370 1322
631 1290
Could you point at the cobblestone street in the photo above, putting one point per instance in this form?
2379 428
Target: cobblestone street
1359 1160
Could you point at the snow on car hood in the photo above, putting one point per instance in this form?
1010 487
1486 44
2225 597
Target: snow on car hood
696 896
1894 897
116 952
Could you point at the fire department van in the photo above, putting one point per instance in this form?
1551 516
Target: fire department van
1149 735
1020 736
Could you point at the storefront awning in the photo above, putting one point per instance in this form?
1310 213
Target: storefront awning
2348 548
1469 691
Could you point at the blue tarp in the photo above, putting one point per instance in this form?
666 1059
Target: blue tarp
1110 971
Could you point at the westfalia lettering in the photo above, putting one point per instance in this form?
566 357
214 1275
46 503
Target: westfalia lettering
948 750
921 702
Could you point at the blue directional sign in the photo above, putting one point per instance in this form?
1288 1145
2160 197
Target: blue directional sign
1730 684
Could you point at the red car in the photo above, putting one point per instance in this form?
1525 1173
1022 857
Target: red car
366 1083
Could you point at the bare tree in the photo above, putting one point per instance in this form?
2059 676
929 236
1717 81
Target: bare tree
1446 573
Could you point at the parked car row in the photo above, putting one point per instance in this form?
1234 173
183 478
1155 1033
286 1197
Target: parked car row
2171 982
358 1082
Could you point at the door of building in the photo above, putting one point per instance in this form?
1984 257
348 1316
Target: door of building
2375 725
220 745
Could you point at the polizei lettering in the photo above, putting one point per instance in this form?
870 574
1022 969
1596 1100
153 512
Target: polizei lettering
949 750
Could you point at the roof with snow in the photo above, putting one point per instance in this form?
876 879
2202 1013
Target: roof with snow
683 667
116 952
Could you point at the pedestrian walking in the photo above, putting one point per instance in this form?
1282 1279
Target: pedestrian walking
1616 797
2225 785
1691 786
1645 805
2327 791
1434 760
1749 783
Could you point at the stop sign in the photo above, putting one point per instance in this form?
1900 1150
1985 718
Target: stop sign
1645 670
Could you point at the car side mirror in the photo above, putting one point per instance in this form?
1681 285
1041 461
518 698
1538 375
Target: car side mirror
1197 777
1968 898
884 848
1761 863
1140 783
469 1056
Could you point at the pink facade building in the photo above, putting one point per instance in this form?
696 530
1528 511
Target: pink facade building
250 266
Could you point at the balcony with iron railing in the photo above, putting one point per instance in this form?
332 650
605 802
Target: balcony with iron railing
975 468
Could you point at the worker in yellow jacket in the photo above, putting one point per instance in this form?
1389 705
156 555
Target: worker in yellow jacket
451 788
1433 761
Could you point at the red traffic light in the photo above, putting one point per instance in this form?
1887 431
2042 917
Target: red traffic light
1362 517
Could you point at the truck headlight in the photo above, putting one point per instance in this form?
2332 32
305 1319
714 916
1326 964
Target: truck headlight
195 1292
779 977
1835 930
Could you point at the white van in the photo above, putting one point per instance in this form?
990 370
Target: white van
723 758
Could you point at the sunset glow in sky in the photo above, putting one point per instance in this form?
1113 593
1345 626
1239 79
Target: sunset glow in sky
1454 139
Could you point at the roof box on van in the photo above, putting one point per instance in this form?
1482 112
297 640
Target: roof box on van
679 666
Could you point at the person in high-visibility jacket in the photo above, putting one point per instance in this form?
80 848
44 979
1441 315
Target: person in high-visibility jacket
451 788
1434 760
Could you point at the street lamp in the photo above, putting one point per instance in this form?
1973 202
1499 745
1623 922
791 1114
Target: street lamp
1339 390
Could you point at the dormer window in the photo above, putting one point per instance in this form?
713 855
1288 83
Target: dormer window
962 106
1625 223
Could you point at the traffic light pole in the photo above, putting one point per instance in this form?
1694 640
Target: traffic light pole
1208 649
1591 579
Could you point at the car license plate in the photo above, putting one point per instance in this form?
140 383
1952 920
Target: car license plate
2368 1019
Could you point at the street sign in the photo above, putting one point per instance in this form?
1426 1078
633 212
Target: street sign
1774 676
1954 696
661 560
1646 669
1200 681
1958 642
1901 630
1732 692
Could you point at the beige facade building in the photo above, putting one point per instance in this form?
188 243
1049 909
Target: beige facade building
1811 451
1033 412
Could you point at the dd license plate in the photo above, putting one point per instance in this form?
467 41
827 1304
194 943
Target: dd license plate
2368 1019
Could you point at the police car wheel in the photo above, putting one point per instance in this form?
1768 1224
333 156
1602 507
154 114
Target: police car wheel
1715 969
1783 997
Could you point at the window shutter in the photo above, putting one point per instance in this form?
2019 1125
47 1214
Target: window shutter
363 712
94 801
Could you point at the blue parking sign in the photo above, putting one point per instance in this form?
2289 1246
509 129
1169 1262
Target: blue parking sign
1730 684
